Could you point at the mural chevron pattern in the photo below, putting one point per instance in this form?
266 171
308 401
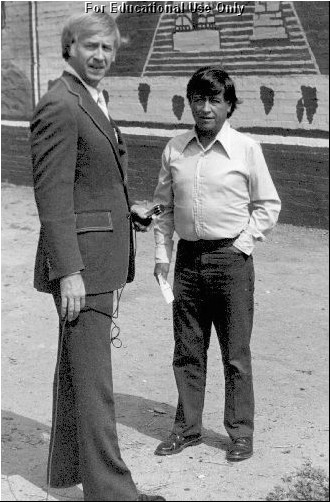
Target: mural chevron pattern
267 38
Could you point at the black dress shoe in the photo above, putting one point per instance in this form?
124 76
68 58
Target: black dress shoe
240 449
144 496
175 444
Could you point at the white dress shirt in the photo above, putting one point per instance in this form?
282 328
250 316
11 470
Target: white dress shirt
207 192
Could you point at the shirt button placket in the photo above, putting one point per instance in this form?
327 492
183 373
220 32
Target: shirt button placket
198 193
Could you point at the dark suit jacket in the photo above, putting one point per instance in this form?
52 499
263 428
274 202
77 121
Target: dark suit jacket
80 177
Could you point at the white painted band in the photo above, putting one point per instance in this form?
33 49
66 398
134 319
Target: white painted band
170 133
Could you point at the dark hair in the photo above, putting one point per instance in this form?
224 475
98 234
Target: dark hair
87 24
211 80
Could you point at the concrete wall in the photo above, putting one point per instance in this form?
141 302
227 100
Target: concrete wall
300 173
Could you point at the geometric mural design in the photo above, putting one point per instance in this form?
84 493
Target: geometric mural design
265 38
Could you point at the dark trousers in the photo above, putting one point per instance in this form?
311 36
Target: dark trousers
213 285
84 443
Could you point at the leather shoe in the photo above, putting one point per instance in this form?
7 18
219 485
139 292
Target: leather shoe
144 496
176 443
240 449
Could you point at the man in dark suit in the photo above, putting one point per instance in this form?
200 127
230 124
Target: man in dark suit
85 253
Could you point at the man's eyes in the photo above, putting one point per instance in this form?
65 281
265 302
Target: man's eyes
214 101
92 47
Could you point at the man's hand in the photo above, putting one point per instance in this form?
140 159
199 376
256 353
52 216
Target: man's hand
72 295
162 269
141 222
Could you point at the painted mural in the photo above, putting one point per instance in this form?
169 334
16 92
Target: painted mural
274 48
16 63
245 38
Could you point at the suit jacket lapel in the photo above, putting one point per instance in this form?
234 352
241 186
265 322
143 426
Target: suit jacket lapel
89 106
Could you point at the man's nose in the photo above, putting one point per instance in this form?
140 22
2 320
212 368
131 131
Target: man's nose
99 54
206 106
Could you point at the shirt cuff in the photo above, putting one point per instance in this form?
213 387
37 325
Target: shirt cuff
72 273
163 253
245 243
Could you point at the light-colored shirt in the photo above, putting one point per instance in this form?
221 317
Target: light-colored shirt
218 192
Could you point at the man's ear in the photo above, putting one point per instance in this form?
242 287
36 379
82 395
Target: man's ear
73 49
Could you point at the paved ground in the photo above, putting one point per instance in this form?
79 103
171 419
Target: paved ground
290 348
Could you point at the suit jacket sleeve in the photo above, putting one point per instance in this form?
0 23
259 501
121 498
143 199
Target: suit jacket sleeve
54 134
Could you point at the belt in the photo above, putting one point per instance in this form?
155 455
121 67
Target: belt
206 245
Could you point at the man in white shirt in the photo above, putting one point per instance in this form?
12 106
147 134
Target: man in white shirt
85 253
220 199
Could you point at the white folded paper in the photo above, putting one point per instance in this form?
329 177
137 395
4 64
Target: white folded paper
165 289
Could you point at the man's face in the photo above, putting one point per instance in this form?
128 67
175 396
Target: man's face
91 57
209 112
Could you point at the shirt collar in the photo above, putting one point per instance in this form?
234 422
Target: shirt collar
223 137
92 90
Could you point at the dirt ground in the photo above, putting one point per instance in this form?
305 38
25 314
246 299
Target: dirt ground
290 347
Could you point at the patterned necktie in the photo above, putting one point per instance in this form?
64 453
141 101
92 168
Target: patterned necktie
102 104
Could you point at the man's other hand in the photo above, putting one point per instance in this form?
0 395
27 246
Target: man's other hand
161 269
72 295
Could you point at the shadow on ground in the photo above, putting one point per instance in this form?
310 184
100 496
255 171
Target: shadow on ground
155 419
25 442
25 445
